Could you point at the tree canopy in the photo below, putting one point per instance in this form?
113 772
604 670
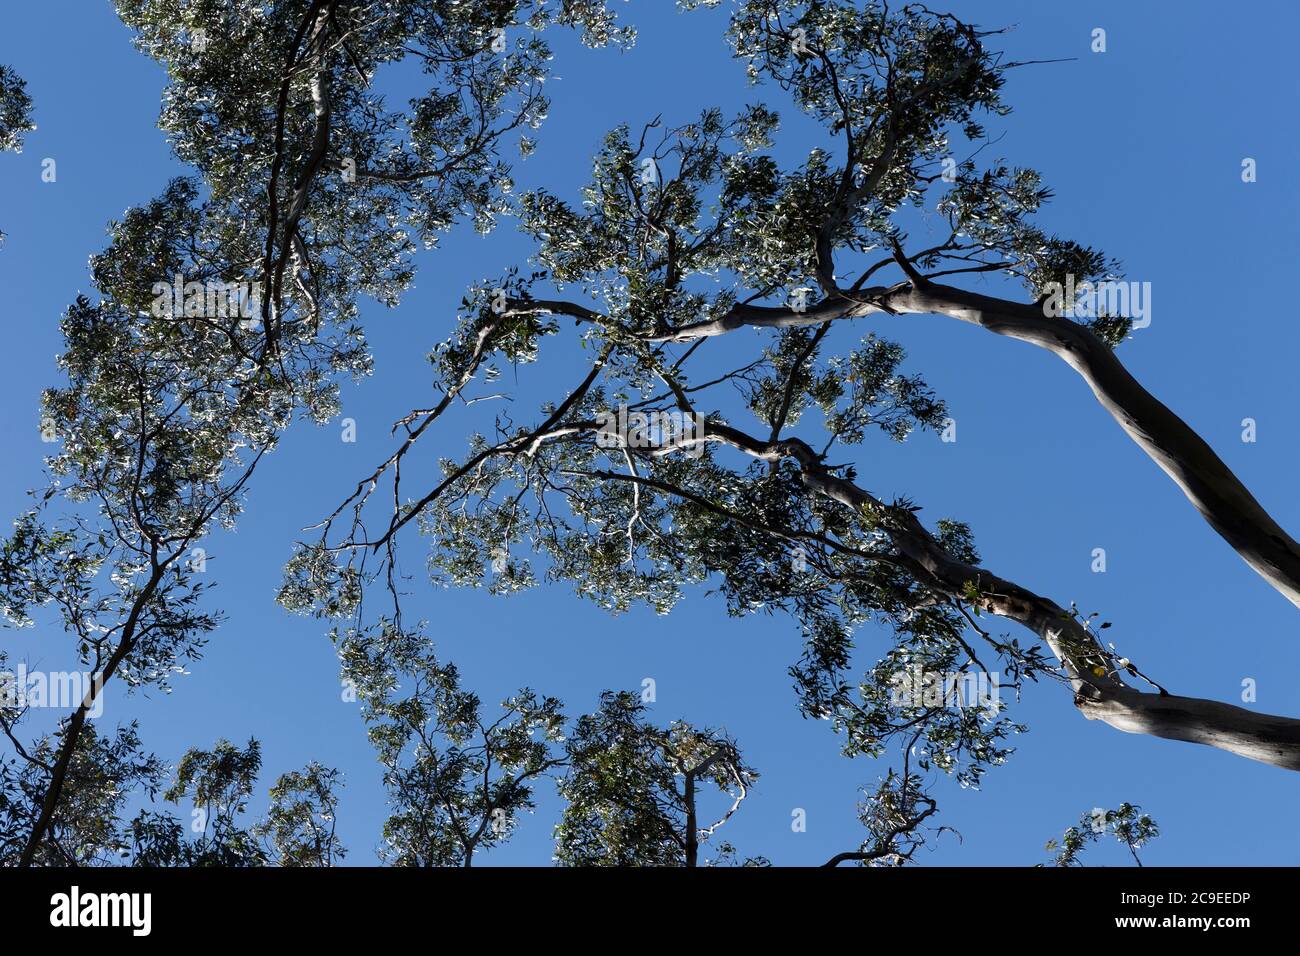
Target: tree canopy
683 458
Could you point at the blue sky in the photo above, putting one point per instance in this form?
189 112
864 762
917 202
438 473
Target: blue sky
1143 147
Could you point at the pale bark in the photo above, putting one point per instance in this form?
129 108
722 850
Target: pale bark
1207 481
1181 453
1267 738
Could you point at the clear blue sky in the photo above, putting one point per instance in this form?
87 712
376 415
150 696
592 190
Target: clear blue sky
1143 146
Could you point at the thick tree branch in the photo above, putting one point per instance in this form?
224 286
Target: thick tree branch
1171 443
1212 488
1099 694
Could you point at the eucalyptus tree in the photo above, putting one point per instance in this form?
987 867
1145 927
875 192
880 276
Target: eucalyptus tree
649 476
91 828
217 785
457 779
623 803
229 304
1127 824
301 824
15 112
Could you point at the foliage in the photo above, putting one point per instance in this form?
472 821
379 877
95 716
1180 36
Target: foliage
457 781
105 771
623 804
1127 824
674 465
15 110
684 234
300 824
307 195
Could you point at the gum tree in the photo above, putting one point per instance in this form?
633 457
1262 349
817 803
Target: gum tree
678 458
15 112
216 785
685 453
301 823
457 780
308 194
624 805
1127 824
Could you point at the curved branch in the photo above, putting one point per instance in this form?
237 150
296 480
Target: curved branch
1209 484
1099 694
